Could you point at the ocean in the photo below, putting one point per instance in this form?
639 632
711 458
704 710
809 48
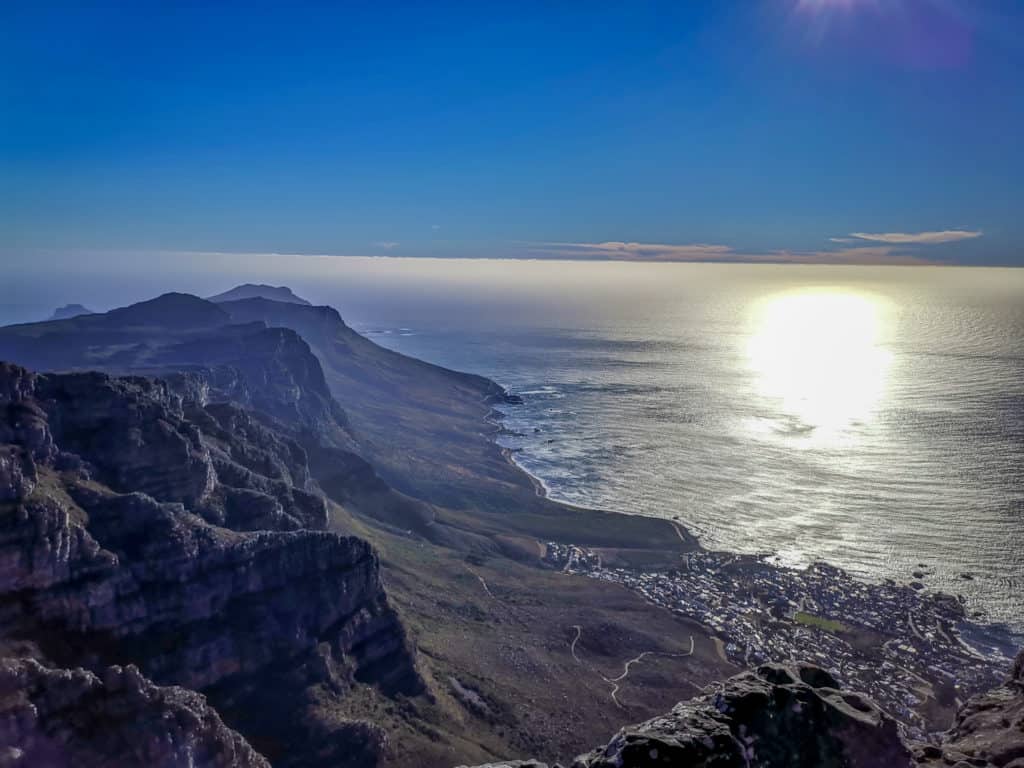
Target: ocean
870 417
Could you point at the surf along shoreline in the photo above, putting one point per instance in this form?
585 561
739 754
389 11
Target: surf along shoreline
912 630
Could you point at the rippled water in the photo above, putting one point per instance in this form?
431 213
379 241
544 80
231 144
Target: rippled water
873 418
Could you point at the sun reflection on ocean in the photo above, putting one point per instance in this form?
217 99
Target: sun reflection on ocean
817 356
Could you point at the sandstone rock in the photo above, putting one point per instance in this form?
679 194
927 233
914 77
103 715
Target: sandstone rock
211 578
17 474
57 718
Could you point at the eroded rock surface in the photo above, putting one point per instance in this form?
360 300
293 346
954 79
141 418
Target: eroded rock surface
140 527
781 716
72 718
774 716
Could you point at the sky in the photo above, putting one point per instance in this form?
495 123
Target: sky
835 131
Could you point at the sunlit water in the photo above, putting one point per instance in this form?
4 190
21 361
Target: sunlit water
869 417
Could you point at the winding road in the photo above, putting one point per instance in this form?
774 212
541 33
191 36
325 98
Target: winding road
614 682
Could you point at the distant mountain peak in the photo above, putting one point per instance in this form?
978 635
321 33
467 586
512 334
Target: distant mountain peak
259 291
171 310
69 311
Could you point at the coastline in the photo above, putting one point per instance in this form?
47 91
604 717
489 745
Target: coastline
980 627
543 490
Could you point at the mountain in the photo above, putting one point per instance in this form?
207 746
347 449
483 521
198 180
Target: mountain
68 311
259 291
429 432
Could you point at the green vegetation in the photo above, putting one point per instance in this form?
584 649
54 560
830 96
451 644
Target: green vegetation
829 625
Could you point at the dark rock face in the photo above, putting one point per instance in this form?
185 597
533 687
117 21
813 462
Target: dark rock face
140 435
61 718
138 527
776 716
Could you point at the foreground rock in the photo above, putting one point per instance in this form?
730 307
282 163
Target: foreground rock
777 716
57 718
798 717
988 731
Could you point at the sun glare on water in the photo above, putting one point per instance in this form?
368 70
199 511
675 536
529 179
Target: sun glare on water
817 357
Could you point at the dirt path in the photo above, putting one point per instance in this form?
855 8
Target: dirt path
615 682
720 647
572 646
483 582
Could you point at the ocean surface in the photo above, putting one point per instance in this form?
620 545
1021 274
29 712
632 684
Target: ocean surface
871 417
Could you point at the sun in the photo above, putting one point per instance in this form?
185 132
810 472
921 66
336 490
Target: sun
818 359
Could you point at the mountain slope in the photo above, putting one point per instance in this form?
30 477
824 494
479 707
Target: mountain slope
430 432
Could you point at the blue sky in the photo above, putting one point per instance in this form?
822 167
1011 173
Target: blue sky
805 130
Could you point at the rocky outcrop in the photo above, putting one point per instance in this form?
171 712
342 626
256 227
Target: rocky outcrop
799 717
139 527
72 718
271 370
141 435
774 716
988 731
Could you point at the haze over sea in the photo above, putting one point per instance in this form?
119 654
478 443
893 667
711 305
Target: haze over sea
870 417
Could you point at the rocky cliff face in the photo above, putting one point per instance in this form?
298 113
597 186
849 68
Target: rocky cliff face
140 527
271 370
988 731
58 718
798 717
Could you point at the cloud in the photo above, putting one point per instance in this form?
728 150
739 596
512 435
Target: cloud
917 238
385 244
843 239
871 255
706 252
634 251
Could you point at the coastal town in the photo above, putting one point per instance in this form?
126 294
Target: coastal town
901 644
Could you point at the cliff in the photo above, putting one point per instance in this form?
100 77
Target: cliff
59 718
139 527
